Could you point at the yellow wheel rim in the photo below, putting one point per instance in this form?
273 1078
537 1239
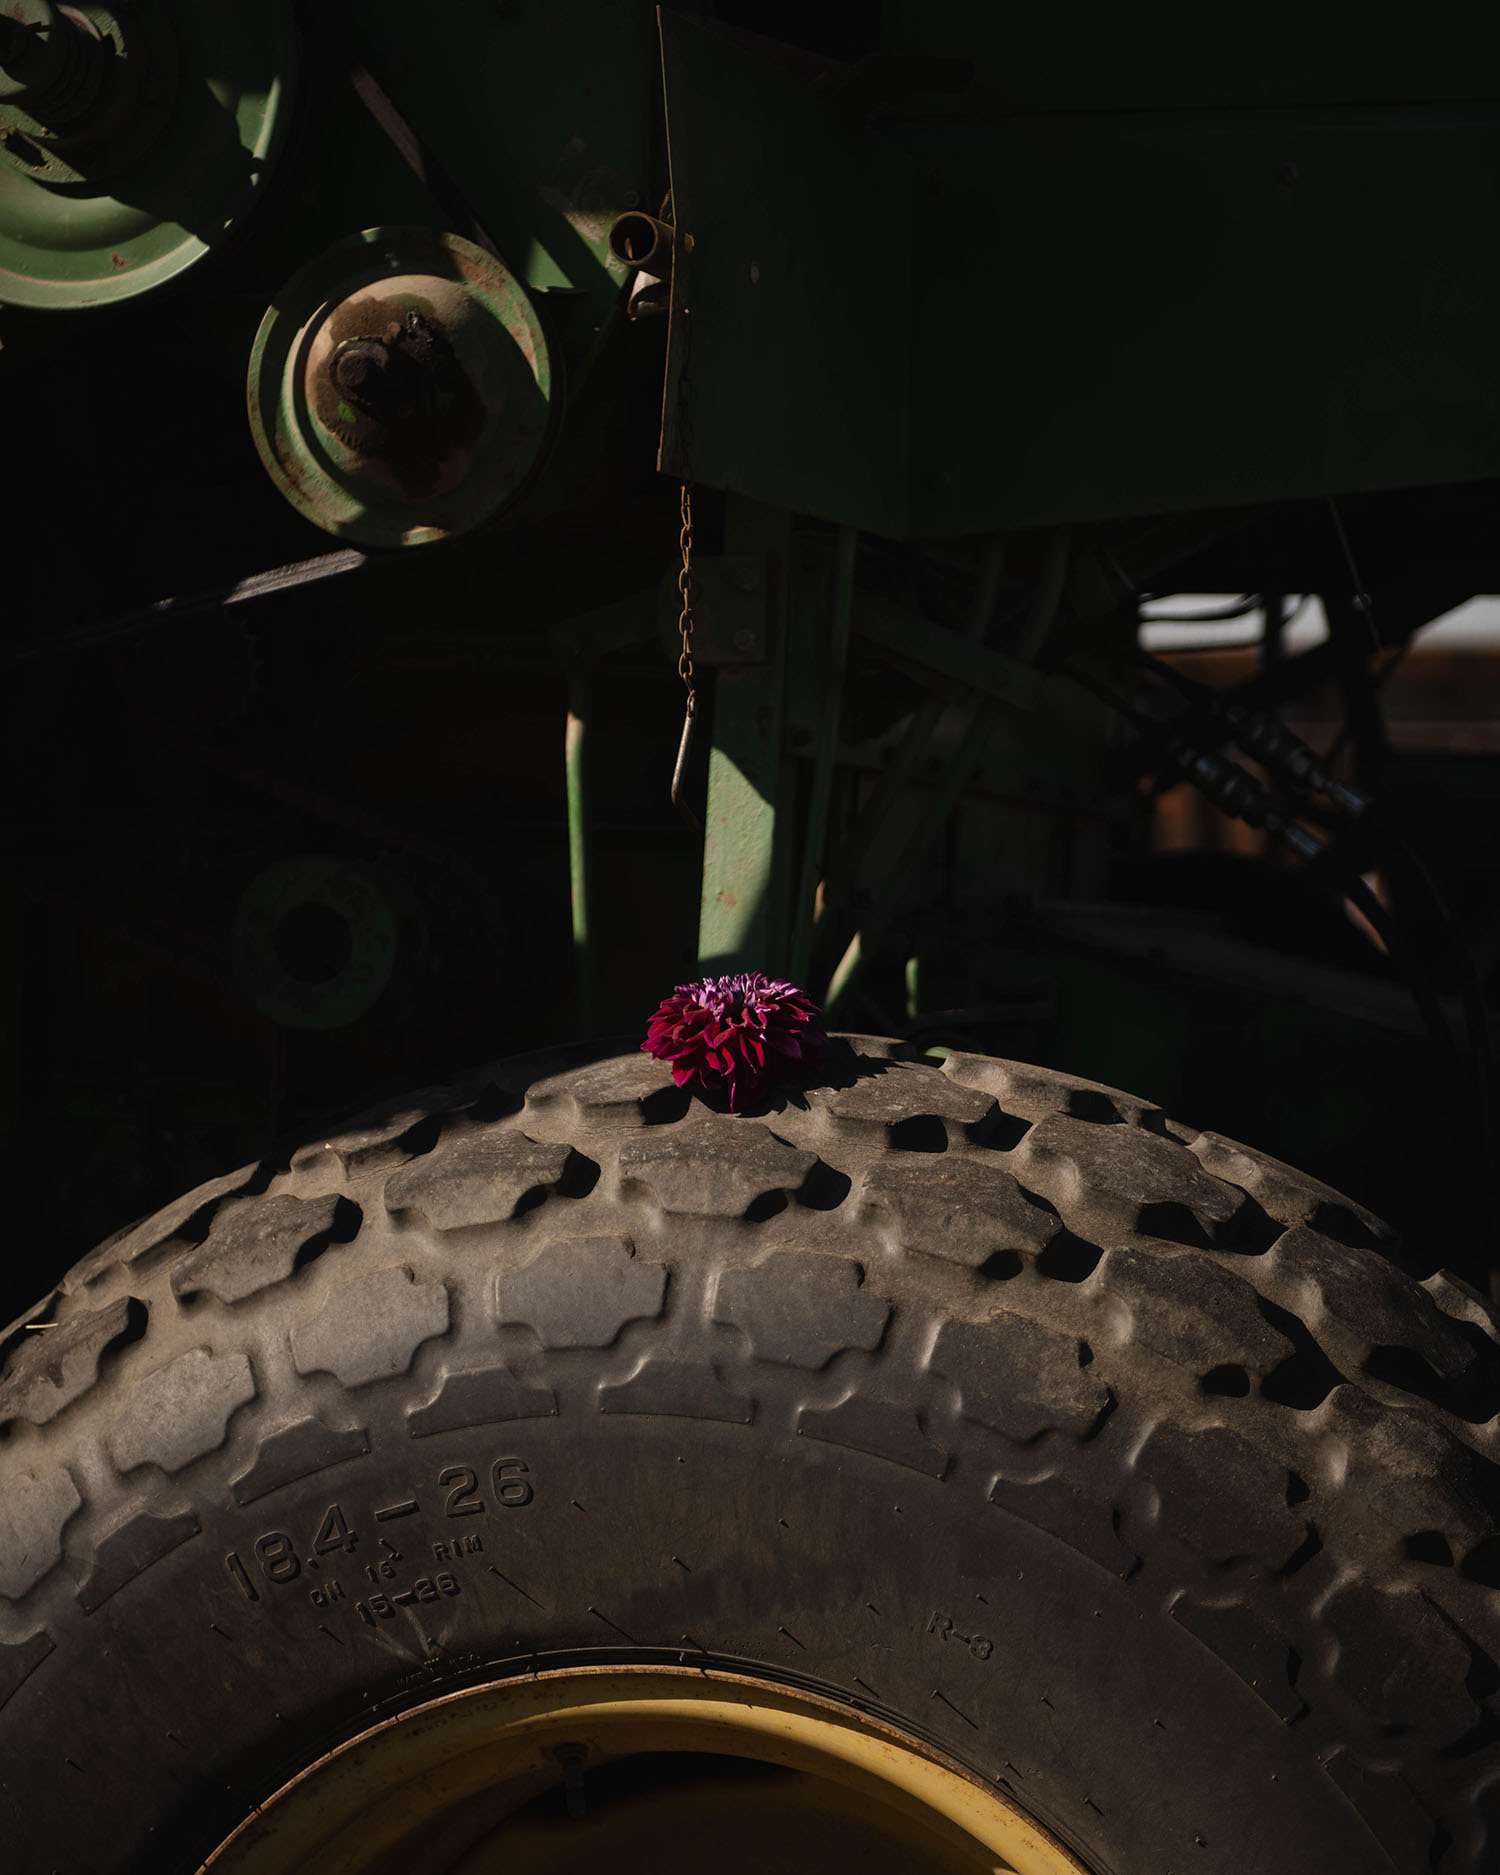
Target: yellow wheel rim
669 1770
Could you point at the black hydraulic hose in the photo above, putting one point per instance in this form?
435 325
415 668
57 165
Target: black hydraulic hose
1302 770
1261 735
1236 792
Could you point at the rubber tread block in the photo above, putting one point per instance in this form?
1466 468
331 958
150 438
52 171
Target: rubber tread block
181 1412
802 1309
296 1451
964 1208
1260 1658
1191 1466
253 1246
877 1427
57 1365
617 1096
580 1292
479 1396
1193 1311
130 1550
20 1659
680 1389
1019 1377
477 1177
714 1167
136 1245
905 1093
1127 1176
370 1327
33 1516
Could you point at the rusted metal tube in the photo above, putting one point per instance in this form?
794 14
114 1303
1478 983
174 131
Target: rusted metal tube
643 242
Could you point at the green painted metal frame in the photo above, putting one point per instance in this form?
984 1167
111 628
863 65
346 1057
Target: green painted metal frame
578 643
833 674
575 760
904 875
742 915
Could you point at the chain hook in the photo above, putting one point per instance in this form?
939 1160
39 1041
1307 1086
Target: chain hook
685 575
685 661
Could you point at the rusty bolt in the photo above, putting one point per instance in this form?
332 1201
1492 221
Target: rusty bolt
17 144
744 640
359 365
744 578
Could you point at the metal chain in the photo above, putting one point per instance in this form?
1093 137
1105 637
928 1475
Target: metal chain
685 590
685 541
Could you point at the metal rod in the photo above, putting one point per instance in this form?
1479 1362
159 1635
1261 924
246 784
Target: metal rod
679 771
1026 643
190 605
913 745
827 754
845 974
1038 623
575 753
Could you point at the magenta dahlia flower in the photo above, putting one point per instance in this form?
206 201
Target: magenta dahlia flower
743 1033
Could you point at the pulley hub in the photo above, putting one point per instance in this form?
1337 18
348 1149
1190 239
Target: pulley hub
401 388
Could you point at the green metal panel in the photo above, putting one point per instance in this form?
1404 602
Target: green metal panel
1052 55
742 919
796 284
1114 357
835 645
975 317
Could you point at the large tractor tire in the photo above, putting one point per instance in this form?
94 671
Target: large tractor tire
947 1468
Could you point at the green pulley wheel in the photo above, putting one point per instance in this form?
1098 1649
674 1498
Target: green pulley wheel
318 941
401 388
134 139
